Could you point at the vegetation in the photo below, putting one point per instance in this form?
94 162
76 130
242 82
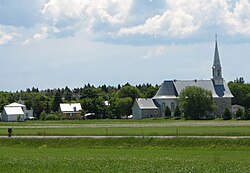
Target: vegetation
227 115
147 127
124 155
104 101
196 103
116 102
167 112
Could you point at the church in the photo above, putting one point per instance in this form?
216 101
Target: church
169 91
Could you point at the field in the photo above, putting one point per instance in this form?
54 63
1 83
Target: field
128 128
126 154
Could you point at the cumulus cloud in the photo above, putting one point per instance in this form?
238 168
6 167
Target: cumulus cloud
88 15
130 20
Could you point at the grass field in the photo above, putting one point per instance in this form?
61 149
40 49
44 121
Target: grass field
146 127
125 155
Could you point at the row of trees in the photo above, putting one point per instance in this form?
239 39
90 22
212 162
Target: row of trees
104 101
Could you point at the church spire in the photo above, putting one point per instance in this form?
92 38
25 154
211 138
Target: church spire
217 69
216 55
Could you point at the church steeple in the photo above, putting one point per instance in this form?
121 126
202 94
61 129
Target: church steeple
217 69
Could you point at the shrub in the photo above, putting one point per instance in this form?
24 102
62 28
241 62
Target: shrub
227 114
167 112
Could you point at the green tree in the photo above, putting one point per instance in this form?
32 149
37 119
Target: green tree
129 91
56 101
196 103
120 107
177 112
167 112
227 115
239 114
246 115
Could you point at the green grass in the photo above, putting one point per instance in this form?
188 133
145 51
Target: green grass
124 155
133 131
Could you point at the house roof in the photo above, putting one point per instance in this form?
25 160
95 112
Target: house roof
13 110
146 103
70 107
171 89
15 105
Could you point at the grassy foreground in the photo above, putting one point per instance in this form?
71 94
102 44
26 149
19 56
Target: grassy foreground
125 155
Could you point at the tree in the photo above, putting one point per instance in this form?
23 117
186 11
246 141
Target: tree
246 115
196 103
227 114
239 114
177 112
56 102
167 112
129 91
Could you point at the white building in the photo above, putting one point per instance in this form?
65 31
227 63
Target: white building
16 112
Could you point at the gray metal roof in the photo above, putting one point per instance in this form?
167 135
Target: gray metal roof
171 89
167 90
146 103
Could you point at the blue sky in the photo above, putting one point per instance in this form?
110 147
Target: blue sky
58 43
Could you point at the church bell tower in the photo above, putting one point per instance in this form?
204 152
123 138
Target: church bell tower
217 69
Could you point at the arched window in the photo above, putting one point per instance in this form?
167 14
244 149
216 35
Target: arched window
172 106
223 106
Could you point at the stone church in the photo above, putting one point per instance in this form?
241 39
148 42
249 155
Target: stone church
169 91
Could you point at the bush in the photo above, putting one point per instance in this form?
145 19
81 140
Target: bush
167 112
177 112
227 114
54 116
239 114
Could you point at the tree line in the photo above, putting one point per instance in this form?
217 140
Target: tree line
104 101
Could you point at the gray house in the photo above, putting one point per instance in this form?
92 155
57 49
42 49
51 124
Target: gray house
169 91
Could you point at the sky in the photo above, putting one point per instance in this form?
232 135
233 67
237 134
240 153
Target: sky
58 43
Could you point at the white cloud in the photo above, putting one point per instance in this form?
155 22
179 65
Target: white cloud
88 15
238 21
132 21
5 35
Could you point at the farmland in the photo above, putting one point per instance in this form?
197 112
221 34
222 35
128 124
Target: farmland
124 155
128 128
127 154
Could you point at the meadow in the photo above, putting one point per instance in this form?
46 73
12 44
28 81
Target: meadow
148 127
125 155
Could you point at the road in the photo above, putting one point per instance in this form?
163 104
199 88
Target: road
104 137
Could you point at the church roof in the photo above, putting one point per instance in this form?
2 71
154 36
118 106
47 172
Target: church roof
145 103
171 89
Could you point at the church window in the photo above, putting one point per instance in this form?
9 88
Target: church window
172 107
145 112
223 106
163 106
218 72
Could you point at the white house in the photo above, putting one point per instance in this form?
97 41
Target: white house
16 112
13 112
71 110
